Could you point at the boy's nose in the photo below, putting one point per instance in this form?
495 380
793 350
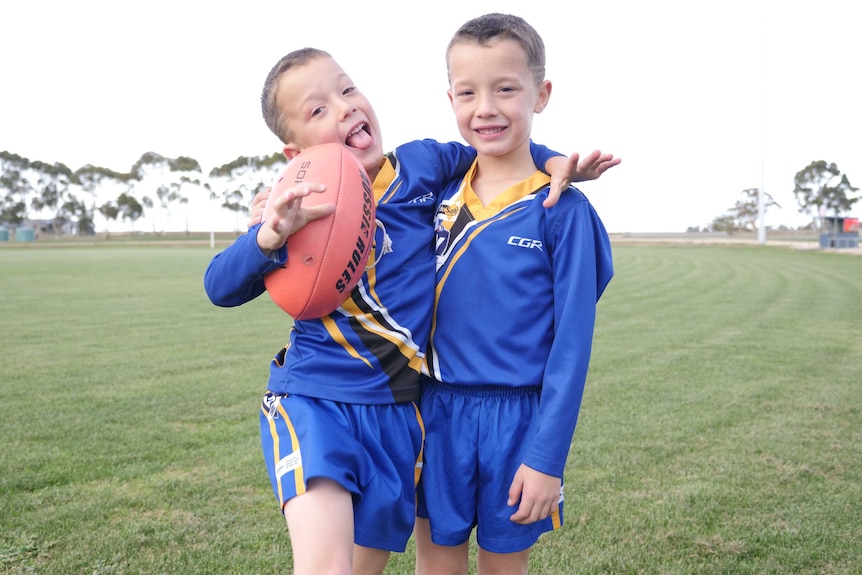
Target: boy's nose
347 108
486 106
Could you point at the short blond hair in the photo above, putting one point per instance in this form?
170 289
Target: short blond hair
272 114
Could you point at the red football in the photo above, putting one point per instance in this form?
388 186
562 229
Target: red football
327 257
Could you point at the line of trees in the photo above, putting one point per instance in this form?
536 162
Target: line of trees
820 189
161 189
155 188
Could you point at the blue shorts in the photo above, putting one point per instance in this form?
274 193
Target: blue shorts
373 451
475 443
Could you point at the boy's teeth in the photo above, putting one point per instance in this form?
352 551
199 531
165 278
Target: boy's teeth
359 138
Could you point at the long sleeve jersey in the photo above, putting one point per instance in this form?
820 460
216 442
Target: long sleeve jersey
370 349
516 293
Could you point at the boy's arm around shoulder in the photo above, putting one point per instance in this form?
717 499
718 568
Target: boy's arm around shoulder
235 275
450 160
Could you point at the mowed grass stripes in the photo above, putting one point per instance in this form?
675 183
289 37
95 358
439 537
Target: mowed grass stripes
720 429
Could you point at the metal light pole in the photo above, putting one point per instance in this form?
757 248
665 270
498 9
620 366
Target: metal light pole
761 194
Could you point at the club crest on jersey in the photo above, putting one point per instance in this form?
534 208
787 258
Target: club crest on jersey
448 211
524 243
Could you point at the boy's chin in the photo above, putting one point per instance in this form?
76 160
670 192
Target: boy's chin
371 154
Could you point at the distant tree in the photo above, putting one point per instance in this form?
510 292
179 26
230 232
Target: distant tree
725 223
190 175
184 164
129 208
53 192
147 170
145 163
745 211
15 188
12 212
57 192
176 196
81 214
242 179
146 202
92 178
163 200
821 188
235 200
110 211
743 215
161 183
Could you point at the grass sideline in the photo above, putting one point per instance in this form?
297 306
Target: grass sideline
719 432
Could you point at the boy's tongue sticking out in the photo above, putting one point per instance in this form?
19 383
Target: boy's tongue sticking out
359 137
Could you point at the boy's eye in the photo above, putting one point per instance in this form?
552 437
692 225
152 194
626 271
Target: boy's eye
348 90
317 111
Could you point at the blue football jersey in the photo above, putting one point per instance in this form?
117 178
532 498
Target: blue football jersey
370 349
516 292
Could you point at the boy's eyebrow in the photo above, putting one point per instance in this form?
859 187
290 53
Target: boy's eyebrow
317 88
504 78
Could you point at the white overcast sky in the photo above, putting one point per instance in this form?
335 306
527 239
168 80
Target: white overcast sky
701 99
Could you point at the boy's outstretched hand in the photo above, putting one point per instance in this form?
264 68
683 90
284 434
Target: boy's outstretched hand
287 215
564 171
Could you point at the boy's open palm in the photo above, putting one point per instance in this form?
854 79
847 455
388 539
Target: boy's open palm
538 493
564 171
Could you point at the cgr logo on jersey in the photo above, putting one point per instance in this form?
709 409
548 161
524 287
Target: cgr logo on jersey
524 243
422 199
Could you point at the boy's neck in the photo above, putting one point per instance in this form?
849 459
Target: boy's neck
495 175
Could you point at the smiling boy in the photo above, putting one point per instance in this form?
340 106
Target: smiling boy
516 295
341 433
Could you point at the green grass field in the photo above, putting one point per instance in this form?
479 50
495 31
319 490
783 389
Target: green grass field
721 430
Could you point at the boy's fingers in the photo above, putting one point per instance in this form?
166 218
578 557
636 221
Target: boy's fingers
530 512
306 189
556 190
317 212
524 513
258 204
559 183
609 163
593 157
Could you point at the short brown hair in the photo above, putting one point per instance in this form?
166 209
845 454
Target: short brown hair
484 30
272 115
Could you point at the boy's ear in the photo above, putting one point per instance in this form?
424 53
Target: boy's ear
290 151
544 96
